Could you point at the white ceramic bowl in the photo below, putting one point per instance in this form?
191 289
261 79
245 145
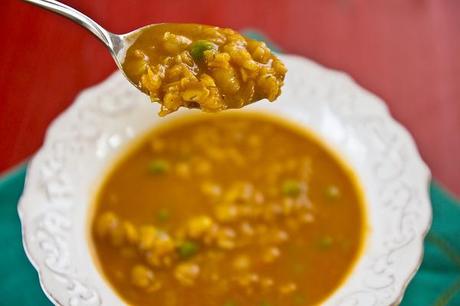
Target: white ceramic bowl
85 139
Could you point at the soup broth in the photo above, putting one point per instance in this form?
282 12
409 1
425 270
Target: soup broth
234 209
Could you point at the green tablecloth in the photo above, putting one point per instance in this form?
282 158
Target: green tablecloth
437 283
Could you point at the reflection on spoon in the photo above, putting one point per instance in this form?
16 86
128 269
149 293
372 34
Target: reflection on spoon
189 65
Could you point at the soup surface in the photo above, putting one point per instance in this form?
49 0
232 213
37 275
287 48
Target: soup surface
237 209
199 66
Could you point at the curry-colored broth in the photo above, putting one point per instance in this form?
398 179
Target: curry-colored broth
294 230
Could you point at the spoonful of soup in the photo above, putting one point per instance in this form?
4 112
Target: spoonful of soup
189 65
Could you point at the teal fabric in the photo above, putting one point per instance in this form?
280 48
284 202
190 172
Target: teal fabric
18 279
438 281
436 284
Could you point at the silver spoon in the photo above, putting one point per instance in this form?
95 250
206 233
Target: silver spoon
117 44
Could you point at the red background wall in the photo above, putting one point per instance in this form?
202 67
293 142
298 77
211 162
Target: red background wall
407 52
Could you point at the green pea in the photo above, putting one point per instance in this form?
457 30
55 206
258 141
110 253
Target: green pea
229 303
298 268
325 242
198 47
187 249
291 188
158 166
265 303
163 215
299 299
332 192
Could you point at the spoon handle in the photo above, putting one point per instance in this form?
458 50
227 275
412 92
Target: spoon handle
109 39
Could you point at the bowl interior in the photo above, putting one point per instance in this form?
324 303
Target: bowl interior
84 142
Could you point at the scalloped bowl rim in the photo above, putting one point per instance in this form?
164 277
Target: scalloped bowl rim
48 226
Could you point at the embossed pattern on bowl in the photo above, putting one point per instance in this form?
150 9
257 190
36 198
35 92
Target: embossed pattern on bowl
87 137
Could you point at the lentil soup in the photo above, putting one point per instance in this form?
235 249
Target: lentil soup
199 66
237 209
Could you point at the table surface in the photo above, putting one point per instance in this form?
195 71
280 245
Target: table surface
407 52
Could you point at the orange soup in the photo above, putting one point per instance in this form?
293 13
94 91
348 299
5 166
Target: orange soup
238 209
